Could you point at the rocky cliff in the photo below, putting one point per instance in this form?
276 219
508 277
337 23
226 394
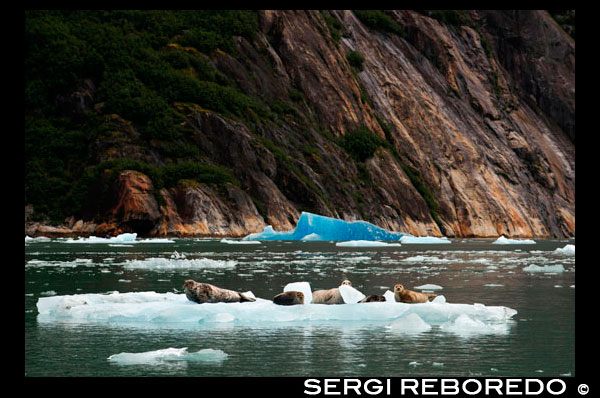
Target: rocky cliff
475 119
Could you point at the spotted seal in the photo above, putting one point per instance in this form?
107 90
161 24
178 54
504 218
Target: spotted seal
207 293
403 295
289 298
330 296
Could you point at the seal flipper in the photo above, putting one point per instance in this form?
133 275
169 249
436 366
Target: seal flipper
243 298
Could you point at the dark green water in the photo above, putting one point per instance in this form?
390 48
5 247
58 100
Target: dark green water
538 342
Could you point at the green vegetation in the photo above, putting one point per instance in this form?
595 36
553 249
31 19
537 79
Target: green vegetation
566 19
333 25
449 17
355 60
378 20
140 64
361 143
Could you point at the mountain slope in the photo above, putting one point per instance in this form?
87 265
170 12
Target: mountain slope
426 122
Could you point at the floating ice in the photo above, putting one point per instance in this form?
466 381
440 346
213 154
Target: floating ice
48 293
411 323
429 286
464 325
365 243
426 259
178 263
350 295
423 240
167 354
303 287
504 241
327 228
569 250
29 239
312 236
122 238
546 268
389 296
240 242
172 310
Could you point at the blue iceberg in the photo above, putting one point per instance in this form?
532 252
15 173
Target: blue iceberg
314 227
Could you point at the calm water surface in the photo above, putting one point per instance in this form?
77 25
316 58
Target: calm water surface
539 341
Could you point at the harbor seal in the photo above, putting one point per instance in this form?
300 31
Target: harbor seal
372 298
403 295
331 296
207 293
289 298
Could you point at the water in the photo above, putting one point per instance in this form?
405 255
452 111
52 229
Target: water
537 342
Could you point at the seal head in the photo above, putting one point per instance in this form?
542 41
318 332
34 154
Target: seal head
289 298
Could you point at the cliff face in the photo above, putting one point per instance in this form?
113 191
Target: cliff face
479 119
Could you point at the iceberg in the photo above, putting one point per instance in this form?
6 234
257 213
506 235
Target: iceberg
240 242
167 354
545 268
409 239
466 326
429 286
504 241
568 250
122 238
159 263
411 323
151 309
317 227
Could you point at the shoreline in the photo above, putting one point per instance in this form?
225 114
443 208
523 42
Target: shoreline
38 230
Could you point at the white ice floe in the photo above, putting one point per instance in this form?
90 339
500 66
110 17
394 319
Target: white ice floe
169 309
122 238
464 325
160 263
350 295
429 286
423 240
425 259
504 241
365 243
29 239
546 268
166 355
411 323
240 242
568 250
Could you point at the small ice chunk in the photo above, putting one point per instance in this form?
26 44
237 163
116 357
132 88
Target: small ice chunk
365 243
411 323
441 299
545 268
303 287
167 354
423 240
240 242
312 236
429 286
568 250
350 294
48 293
464 325
504 241
389 296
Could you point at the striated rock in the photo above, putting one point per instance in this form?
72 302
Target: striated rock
135 205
